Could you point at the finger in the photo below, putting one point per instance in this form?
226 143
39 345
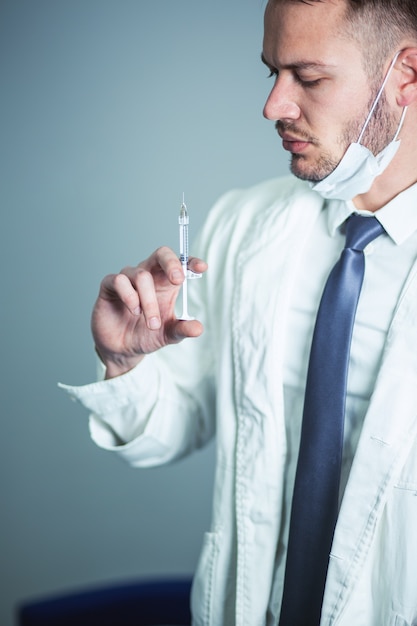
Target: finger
118 286
197 265
167 260
143 282
178 330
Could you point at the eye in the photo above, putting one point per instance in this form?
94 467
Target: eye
298 79
272 73
307 83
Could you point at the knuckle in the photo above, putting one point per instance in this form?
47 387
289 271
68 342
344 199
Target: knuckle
166 256
119 281
107 280
142 279
163 251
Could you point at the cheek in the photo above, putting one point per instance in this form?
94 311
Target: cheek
335 122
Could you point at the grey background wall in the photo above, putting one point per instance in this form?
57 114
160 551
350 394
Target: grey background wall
110 109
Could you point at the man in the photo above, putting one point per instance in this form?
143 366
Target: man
343 69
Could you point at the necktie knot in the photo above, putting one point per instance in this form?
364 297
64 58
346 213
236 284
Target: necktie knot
361 230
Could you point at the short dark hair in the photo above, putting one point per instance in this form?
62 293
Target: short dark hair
378 25
383 24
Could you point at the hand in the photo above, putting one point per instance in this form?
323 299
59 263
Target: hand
134 312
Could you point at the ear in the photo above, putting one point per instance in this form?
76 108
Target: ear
407 85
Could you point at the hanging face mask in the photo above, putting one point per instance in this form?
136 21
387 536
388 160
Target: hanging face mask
358 168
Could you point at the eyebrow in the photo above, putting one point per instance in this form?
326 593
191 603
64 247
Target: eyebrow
299 65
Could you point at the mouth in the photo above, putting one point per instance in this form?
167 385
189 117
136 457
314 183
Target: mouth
294 140
293 144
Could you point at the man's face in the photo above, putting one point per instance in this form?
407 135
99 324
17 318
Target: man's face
322 95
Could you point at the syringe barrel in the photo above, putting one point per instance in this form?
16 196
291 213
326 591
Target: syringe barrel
183 220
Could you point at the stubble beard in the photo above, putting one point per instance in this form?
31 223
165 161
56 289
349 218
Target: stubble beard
379 132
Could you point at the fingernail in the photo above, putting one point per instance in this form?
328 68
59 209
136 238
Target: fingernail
154 323
136 311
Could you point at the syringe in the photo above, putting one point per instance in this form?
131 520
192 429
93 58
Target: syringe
183 221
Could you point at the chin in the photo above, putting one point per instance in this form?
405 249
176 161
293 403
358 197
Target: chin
303 173
312 173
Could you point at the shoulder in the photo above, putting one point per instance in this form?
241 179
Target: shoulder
265 195
240 213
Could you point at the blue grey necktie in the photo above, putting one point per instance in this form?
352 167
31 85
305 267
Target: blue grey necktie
316 491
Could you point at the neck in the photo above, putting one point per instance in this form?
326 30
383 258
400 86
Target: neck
399 175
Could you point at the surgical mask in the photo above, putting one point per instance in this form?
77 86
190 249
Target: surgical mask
358 168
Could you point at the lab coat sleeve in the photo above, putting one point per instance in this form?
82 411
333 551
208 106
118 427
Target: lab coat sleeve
153 414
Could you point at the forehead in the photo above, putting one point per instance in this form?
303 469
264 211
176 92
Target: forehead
311 32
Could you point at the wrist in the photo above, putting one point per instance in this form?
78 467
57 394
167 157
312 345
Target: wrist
117 365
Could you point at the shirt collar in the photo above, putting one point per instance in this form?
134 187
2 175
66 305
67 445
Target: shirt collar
398 217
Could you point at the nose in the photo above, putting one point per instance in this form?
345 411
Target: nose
281 103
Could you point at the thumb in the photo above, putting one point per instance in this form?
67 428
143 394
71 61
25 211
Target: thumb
183 329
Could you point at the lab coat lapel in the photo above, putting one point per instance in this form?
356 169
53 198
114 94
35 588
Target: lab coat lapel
389 430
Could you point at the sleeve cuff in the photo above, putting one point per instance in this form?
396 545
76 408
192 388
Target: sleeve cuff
119 407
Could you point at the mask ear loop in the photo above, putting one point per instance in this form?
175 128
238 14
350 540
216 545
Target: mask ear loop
378 97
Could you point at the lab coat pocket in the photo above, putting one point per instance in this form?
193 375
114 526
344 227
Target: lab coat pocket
202 596
400 621
401 552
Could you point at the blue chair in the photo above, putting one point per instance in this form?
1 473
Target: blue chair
147 603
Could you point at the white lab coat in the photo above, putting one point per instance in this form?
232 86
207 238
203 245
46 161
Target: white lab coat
229 382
